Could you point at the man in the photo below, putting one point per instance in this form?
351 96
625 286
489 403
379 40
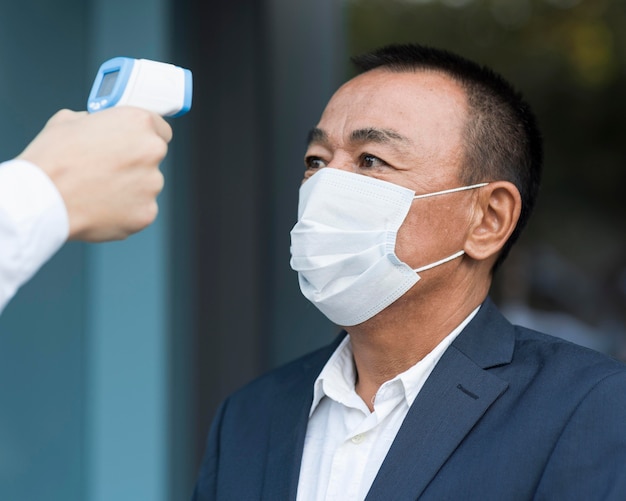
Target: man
84 177
419 176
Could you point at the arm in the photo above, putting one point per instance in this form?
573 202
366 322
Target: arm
84 177
33 224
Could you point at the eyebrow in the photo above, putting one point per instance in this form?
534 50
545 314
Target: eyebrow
372 135
367 135
316 135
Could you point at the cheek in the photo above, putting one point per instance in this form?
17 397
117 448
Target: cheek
416 236
428 234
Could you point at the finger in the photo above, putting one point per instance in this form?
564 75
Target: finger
162 128
155 121
65 115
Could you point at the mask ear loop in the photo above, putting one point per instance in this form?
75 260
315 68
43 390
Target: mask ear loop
456 254
441 261
451 190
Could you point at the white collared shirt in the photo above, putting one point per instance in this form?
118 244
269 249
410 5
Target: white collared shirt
33 224
345 443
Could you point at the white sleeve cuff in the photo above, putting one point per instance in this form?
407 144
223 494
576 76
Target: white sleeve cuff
33 224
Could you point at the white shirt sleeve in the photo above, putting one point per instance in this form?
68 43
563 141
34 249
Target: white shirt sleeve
33 224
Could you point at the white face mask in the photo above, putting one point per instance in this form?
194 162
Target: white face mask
343 245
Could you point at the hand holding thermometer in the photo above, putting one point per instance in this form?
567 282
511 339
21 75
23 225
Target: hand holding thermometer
160 87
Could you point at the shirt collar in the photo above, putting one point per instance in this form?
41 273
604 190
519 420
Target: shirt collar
338 377
338 373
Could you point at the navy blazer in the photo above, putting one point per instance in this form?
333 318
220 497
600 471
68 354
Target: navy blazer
507 414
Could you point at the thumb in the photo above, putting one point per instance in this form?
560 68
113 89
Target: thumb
63 116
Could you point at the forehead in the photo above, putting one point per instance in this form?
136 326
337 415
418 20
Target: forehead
427 107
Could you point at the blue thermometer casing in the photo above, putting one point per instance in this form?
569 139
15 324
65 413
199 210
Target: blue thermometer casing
152 85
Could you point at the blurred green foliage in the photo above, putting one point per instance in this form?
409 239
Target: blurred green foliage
568 57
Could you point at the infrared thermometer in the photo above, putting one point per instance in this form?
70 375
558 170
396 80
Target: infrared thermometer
159 87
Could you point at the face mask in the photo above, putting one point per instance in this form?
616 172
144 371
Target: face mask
343 245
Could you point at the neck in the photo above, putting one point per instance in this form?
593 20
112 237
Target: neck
405 332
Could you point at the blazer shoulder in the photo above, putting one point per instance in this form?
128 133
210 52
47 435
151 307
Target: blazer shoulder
492 340
564 355
556 374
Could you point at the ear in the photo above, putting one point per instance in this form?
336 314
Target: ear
495 216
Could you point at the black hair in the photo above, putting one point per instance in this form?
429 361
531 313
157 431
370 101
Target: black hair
502 139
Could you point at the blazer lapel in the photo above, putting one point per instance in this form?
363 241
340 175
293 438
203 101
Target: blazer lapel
455 396
288 428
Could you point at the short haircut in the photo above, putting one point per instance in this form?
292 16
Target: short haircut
502 139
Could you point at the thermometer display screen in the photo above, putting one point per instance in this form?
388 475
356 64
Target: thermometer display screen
108 81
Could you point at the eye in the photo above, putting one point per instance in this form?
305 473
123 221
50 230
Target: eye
368 161
313 162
